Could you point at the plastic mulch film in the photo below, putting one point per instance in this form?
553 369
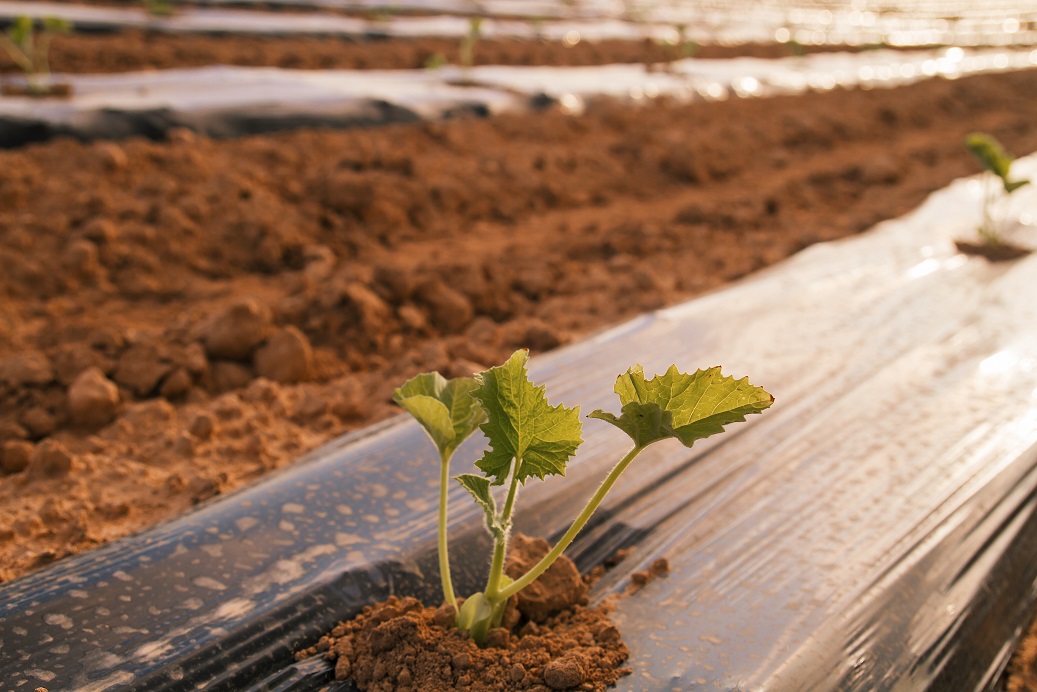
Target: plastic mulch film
224 101
873 530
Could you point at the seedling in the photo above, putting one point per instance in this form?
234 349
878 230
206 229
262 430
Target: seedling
29 49
468 42
159 8
530 438
997 184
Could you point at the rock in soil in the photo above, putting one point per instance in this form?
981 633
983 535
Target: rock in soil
402 645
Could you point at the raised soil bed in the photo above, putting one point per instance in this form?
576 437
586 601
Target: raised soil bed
360 258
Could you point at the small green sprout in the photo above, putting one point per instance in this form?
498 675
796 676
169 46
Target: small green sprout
29 48
159 8
998 164
468 42
529 438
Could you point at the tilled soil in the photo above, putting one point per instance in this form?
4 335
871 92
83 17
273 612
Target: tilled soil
549 639
131 50
178 318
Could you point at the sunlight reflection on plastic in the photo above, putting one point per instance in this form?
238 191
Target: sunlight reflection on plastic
924 268
1004 363
747 85
933 264
571 104
713 90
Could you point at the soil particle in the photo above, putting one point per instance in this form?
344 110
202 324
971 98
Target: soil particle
286 357
141 367
26 369
641 578
564 673
93 399
233 333
49 459
449 310
559 586
399 643
15 455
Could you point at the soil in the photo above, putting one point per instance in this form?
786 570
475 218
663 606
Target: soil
995 252
179 318
550 639
131 50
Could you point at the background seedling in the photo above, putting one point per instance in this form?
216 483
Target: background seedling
29 48
469 41
529 438
997 184
159 8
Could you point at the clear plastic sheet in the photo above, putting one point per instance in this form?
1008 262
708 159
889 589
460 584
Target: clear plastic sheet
900 23
873 530
226 101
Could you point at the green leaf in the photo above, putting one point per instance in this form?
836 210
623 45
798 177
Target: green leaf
522 425
445 408
21 29
994 158
1013 185
644 423
57 25
479 488
687 407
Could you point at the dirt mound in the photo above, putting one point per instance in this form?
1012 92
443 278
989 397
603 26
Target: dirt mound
134 49
550 641
349 261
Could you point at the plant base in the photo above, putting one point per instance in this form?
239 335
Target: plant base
402 645
1001 252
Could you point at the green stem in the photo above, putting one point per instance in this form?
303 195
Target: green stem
500 548
444 556
577 525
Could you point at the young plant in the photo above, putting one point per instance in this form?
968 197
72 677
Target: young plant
159 8
529 438
29 48
448 413
468 42
998 164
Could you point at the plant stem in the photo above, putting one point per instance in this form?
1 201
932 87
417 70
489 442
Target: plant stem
500 548
444 556
577 525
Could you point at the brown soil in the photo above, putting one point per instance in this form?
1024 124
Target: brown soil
999 252
142 50
179 318
48 92
550 640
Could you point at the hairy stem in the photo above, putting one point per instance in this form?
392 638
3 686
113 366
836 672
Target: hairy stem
500 548
577 525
